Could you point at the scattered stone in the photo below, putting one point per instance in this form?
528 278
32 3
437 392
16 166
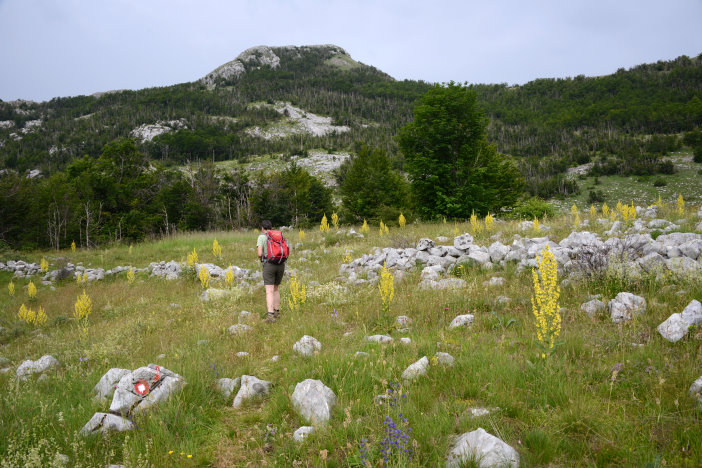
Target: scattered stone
161 356
495 281
463 242
275 358
227 386
39 366
405 341
416 369
464 320
213 294
482 448
383 339
314 401
302 432
242 354
593 307
244 316
625 305
239 329
106 386
106 423
403 321
425 244
202 342
361 355
677 325
445 359
502 300
480 411
446 283
250 387
696 390
307 346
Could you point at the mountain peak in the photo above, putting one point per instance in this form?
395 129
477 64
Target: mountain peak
266 56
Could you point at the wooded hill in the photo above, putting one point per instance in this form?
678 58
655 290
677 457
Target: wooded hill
548 125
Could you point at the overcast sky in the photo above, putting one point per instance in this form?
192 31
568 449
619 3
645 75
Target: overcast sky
54 48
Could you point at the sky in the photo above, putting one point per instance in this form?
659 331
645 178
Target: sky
51 48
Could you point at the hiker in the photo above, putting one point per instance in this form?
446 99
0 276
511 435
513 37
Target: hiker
273 251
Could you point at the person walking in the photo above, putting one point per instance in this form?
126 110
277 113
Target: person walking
273 266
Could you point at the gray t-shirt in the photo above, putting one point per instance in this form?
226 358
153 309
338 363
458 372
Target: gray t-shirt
262 238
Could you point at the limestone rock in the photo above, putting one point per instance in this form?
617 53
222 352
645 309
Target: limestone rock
416 369
106 386
677 325
227 386
498 251
445 359
425 244
463 242
105 423
239 329
402 321
696 390
383 339
250 387
624 305
213 294
405 341
314 401
485 449
39 366
307 345
593 307
143 388
302 432
464 320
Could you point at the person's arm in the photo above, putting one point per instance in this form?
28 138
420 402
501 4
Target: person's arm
260 252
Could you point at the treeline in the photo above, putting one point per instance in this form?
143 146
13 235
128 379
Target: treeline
121 196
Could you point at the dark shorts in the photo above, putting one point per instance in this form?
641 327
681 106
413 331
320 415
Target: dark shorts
272 273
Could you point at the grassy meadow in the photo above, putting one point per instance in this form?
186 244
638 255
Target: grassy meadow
572 409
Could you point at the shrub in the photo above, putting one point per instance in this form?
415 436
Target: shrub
660 183
595 196
697 154
531 208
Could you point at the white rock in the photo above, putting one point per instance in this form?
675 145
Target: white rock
675 327
106 423
405 341
445 359
307 345
239 329
227 386
402 321
624 305
464 320
242 354
383 339
495 281
361 355
446 283
314 401
143 388
250 387
425 244
42 364
302 432
480 411
463 242
213 294
498 251
593 307
416 369
696 390
484 448
106 386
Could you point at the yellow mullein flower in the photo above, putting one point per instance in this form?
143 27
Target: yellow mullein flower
401 220
301 235
204 276
386 286
592 210
73 246
324 225
489 221
537 227
11 288
681 205
298 293
365 229
544 303
192 259
335 221
229 277
130 276
44 265
31 291
605 209
216 249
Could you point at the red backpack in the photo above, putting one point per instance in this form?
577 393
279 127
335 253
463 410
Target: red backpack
277 250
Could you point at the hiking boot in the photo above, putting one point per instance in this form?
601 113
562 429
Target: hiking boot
270 317
276 313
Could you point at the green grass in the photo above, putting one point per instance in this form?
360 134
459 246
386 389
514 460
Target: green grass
564 411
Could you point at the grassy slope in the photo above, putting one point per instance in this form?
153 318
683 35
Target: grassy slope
563 412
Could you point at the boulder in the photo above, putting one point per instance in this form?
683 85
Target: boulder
307 345
39 366
314 401
624 305
302 432
105 423
696 390
250 387
495 281
593 307
405 341
143 388
479 257
483 448
227 386
677 325
416 369
498 251
383 339
463 242
106 386
425 244
464 320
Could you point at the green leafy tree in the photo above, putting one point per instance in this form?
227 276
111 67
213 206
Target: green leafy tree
370 189
453 170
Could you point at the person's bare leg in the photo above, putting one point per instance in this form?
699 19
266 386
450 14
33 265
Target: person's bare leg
270 297
276 299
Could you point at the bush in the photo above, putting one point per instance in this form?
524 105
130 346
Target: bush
697 154
595 196
660 183
533 207
666 167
